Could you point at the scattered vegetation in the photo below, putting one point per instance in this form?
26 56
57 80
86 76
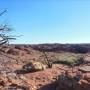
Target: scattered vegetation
70 59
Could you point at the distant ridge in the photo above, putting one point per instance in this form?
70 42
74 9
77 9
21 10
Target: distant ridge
57 47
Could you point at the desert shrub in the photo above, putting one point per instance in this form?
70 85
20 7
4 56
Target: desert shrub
69 59
47 60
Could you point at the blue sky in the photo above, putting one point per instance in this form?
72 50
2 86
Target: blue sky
48 21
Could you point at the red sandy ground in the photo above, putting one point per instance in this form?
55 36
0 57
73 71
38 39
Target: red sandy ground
41 80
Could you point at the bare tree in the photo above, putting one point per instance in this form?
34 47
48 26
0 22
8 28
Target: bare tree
48 61
4 38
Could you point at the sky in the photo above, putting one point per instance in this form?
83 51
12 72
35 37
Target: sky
47 21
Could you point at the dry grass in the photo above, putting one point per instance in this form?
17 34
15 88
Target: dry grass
69 59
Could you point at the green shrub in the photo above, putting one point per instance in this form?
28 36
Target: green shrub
69 59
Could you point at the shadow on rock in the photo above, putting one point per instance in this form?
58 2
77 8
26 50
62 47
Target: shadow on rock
51 86
13 87
16 87
23 71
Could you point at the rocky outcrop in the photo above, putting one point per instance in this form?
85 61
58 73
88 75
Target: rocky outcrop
32 66
11 81
74 81
85 69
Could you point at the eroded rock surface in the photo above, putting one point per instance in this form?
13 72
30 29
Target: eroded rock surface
15 57
74 81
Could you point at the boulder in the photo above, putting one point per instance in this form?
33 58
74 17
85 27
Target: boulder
34 66
84 68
